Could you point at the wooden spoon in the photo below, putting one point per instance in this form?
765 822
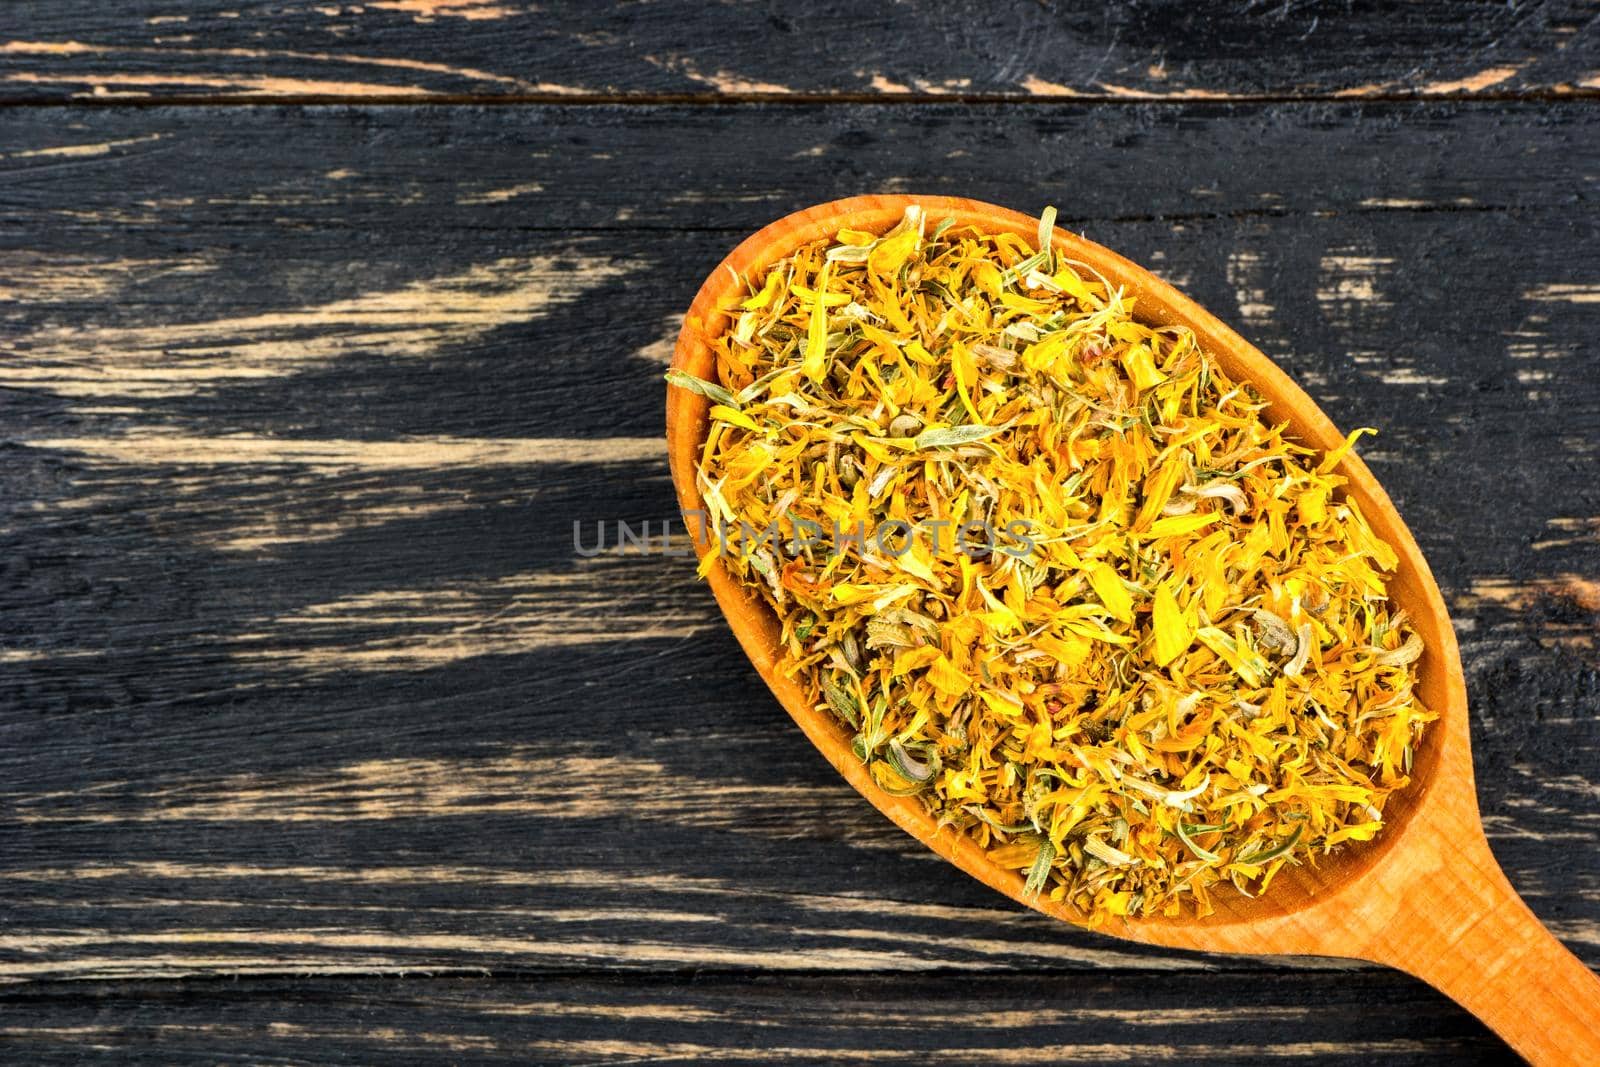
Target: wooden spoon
1425 896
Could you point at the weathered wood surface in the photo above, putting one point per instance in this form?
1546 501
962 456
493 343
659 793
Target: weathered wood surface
303 687
1115 1017
1154 49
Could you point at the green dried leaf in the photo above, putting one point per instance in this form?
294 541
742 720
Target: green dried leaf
842 701
1047 227
710 390
1020 270
906 765
1269 854
1183 835
1039 873
954 435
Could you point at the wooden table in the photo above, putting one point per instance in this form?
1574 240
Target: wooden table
324 323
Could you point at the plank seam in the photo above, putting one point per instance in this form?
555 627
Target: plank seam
29 989
427 99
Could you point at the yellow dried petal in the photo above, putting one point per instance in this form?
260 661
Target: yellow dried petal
1332 459
730 415
1141 367
947 678
1173 634
768 291
1002 705
1112 593
1071 654
891 253
815 364
914 659
963 368
1359 832
1158 489
1178 525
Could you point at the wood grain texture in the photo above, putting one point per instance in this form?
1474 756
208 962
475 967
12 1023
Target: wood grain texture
1114 1018
1025 49
301 674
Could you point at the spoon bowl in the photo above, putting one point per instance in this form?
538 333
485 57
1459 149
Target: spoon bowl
1425 895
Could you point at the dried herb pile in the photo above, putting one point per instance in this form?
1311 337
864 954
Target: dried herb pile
1170 662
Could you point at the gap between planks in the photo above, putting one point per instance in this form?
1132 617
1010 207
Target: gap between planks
426 98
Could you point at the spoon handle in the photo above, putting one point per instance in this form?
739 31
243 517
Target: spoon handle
1468 934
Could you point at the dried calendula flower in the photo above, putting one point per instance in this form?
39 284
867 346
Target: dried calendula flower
1054 570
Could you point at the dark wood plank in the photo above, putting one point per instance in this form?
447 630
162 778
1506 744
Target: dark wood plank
301 673
1113 1018
1154 49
